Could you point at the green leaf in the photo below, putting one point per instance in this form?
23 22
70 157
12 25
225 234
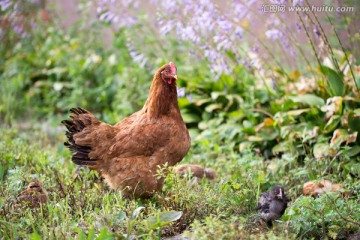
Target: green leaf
2 171
284 146
210 108
82 236
203 101
261 178
353 151
105 235
91 234
332 124
183 102
309 99
162 219
321 150
121 216
354 121
215 95
136 213
190 117
35 236
335 81
298 112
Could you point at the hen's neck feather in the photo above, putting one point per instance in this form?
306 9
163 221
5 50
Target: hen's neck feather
162 98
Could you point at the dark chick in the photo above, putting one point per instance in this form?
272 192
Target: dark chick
272 204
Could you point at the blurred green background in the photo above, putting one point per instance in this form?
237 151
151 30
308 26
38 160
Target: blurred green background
268 97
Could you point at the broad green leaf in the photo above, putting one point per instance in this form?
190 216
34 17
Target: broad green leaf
136 213
302 172
105 235
283 146
335 81
332 124
121 215
190 117
321 150
35 236
245 145
91 234
298 112
202 101
309 99
354 121
255 139
162 219
340 136
333 106
212 107
183 102
215 95
353 151
82 236
354 167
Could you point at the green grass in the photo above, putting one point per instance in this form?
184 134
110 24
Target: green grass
81 205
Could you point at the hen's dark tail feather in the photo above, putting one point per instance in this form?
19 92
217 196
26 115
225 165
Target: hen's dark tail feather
75 125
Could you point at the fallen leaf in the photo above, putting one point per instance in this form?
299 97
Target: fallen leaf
315 189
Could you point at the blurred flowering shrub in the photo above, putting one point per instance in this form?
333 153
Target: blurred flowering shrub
18 18
258 35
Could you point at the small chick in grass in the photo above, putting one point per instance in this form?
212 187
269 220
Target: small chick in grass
196 171
272 204
32 197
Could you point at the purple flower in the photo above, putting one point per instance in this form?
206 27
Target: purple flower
279 1
121 19
274 85
273 34
180 92
222 42
298 2
5 4
136 56
316 30
189 97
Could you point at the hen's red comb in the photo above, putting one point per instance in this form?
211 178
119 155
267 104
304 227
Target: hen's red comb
173 67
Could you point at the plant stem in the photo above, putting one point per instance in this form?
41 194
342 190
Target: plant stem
309 39
293 40
324 37
340 215
343 49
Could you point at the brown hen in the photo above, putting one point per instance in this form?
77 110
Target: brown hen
129 153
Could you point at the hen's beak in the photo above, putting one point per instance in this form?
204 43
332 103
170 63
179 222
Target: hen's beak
174 76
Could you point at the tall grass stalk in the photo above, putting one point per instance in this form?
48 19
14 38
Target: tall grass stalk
344 51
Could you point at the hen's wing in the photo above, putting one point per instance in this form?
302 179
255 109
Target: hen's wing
96 143
140 136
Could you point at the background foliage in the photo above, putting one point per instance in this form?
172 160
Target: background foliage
279 105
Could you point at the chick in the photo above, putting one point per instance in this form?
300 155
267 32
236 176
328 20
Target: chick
32 197
196 171
272 204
